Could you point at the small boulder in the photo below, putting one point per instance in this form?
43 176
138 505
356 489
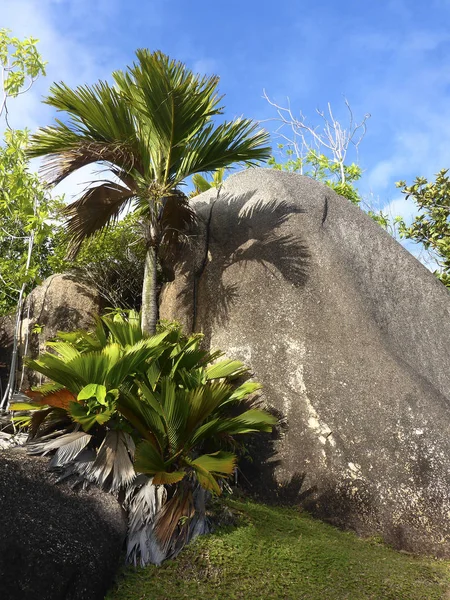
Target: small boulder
60 303
57 543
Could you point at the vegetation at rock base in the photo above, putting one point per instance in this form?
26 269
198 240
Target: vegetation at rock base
281 554
112 262
152 419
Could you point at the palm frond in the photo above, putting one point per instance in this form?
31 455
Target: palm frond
97 208
113 468
64 349
204 400
148 460
239 141
174 102
59 398
44 446
98 114
144 501
226 368
220 463
68 452
201 184
173 519
177 220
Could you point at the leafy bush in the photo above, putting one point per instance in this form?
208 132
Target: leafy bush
151 419
322 168
112 262
431 226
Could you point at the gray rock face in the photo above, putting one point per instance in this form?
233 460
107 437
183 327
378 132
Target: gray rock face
6 345
348 333
56 543
60 303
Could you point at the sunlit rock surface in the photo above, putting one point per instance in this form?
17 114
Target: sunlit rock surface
348 333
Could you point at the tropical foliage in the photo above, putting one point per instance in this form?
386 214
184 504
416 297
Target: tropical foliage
432 226
25 207
322 168
149 418
27 215
20 65
150 131
111 262
201 184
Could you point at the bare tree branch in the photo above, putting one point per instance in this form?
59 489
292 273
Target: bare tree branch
332 137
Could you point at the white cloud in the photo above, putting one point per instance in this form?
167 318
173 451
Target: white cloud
401 207
69 58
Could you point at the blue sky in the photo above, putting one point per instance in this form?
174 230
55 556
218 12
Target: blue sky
390 58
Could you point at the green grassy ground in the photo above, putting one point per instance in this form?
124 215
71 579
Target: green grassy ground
281 554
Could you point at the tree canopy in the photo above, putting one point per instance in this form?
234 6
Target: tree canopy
151 130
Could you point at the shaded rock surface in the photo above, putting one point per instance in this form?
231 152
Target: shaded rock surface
349 335
56 543
60 303
6 346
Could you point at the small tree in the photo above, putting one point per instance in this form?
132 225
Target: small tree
153 129
150 419
432 226
24 205
315 149
323 169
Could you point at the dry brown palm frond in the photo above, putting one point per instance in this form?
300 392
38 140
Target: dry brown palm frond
144 502
173 520
59 439
113 468
178 221
96 209
57 166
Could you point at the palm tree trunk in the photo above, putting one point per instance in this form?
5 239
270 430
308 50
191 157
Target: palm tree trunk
149 310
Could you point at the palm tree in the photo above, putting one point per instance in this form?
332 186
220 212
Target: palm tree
153 129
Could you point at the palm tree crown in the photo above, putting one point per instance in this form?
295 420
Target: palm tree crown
152 130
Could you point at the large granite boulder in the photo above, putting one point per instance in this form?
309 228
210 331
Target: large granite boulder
350 336
56 543
60 303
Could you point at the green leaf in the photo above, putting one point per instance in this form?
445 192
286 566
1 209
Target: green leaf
93 390
166 478
148 460
226 368
79 414
24 406
206 479
218 462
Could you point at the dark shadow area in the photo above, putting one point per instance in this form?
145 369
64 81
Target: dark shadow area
53 530
238 230
258 463
6 346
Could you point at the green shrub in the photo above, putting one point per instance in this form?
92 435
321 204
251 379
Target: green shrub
149 418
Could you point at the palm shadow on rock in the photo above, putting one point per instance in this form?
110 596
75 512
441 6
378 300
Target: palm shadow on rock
234 235
256 475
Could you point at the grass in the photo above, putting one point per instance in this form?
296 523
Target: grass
281 554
